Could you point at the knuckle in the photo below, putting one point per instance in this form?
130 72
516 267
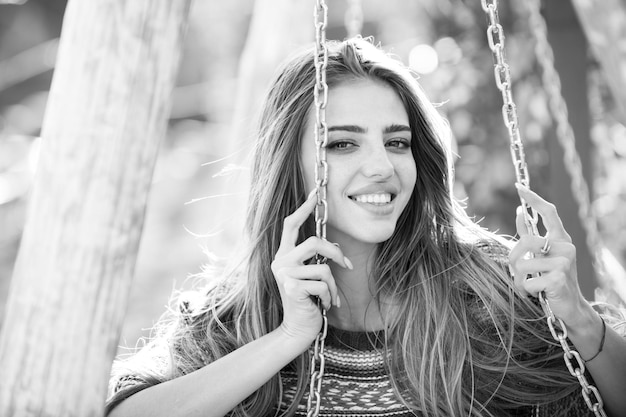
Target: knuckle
287 222
570 250
276 266
290 286
279 276
562 263
312 240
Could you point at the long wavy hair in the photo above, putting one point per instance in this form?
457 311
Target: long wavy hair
465 343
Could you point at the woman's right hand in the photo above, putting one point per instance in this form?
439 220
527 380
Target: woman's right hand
299 282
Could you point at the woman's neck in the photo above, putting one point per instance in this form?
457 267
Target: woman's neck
359 308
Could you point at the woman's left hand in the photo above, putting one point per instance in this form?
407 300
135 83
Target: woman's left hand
554 258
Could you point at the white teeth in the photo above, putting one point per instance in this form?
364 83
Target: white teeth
383 198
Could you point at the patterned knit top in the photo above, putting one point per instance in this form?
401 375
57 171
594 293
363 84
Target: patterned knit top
356 380
356 383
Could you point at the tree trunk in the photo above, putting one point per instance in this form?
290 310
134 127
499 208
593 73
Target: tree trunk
106 113
277 29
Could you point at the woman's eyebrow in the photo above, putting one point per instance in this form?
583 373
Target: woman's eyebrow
348 128
397 128
358 129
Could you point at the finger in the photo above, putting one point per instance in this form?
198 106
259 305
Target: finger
316 272
517 262
524 245
293 222
520 222
550 283
534 244
535 285
534 266
318 289
547 210
521 268
518 279
314 246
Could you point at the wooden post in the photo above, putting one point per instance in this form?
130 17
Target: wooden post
106 113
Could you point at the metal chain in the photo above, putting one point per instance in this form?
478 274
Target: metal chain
320 95
495 35
565 134
353 20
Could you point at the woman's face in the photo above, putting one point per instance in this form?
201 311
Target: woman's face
371 168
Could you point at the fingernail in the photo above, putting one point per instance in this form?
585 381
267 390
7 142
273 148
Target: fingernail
348 263
518 210
338 302
521 186
313 191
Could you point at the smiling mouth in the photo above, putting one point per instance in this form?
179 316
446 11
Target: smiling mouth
377 199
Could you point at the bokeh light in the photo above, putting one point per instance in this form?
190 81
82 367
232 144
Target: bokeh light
423 59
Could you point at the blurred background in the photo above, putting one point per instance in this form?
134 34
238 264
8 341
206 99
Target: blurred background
230 52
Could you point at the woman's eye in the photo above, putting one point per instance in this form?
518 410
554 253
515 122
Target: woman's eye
340 144
399 143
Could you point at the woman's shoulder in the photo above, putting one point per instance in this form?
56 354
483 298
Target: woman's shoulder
213 298
496 249
484 265
207 315
193 332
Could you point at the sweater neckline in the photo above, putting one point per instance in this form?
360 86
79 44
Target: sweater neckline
355 339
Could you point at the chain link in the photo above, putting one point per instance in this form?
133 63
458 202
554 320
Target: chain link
320 96
318 361
495 36
353 19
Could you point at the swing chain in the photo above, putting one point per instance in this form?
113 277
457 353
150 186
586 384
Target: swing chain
353 19
502 73
495 35
320 97
320 94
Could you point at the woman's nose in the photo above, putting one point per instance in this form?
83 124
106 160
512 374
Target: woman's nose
377 164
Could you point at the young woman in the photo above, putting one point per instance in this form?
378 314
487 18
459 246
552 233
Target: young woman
424 317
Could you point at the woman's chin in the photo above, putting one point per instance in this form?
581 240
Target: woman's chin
364 235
